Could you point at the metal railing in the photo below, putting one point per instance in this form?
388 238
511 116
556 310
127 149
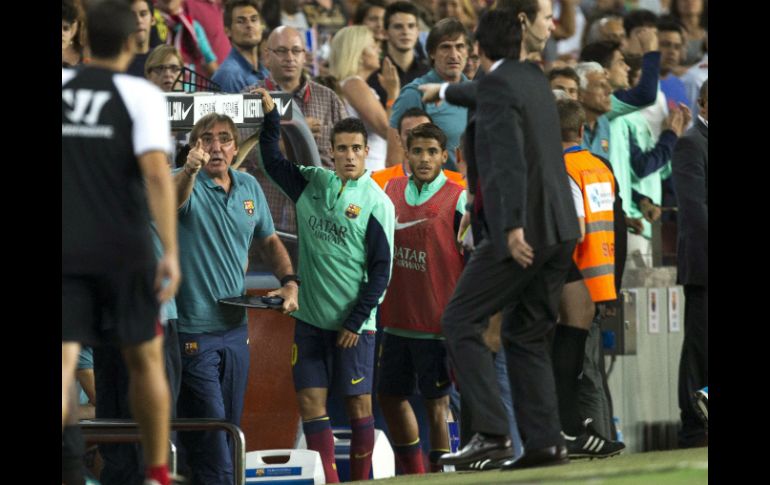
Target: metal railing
126 431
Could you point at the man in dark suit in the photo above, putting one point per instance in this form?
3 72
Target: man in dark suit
521 265
690 162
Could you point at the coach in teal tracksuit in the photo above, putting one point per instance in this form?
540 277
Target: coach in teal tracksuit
222 212
345 226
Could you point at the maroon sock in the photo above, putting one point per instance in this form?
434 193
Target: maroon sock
409 458
318 433
158 473
361 447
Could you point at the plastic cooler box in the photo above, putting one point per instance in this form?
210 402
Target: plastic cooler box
299 467
383 459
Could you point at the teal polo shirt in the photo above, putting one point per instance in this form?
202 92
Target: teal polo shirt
450 118
215 232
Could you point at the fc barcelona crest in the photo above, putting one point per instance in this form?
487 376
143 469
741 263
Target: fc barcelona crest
352 211
248 206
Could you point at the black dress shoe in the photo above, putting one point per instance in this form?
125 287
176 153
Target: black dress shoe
479 448
551 455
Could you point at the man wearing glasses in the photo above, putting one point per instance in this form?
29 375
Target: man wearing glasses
243 25
220 212
320 105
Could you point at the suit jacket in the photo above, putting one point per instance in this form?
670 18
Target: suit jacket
690 162
519 158
464 94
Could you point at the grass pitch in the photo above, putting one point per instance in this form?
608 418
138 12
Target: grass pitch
677 467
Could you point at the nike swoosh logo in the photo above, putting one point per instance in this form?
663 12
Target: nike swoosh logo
184 113
441 384
404 225
364 455
356 381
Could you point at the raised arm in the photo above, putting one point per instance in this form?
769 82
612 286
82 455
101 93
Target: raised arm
185 179
646 90
284 173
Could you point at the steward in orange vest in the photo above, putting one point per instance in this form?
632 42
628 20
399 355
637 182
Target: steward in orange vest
595 253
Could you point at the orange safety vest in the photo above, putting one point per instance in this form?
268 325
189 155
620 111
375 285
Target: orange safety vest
595 256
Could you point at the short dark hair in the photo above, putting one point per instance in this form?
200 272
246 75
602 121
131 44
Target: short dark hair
149 3
414 112
571 117
639 18
530 8
447 28
208 121
703 94
669 24
499 34
110 24
363 9
600 52
567 72
429 131
350 125
230 6
400 7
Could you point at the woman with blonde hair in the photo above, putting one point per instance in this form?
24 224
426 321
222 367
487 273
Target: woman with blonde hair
163 67
355 55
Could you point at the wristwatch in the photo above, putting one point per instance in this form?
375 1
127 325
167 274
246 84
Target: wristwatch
290 277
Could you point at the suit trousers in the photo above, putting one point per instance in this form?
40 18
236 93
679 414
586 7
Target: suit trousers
486 286
694 363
